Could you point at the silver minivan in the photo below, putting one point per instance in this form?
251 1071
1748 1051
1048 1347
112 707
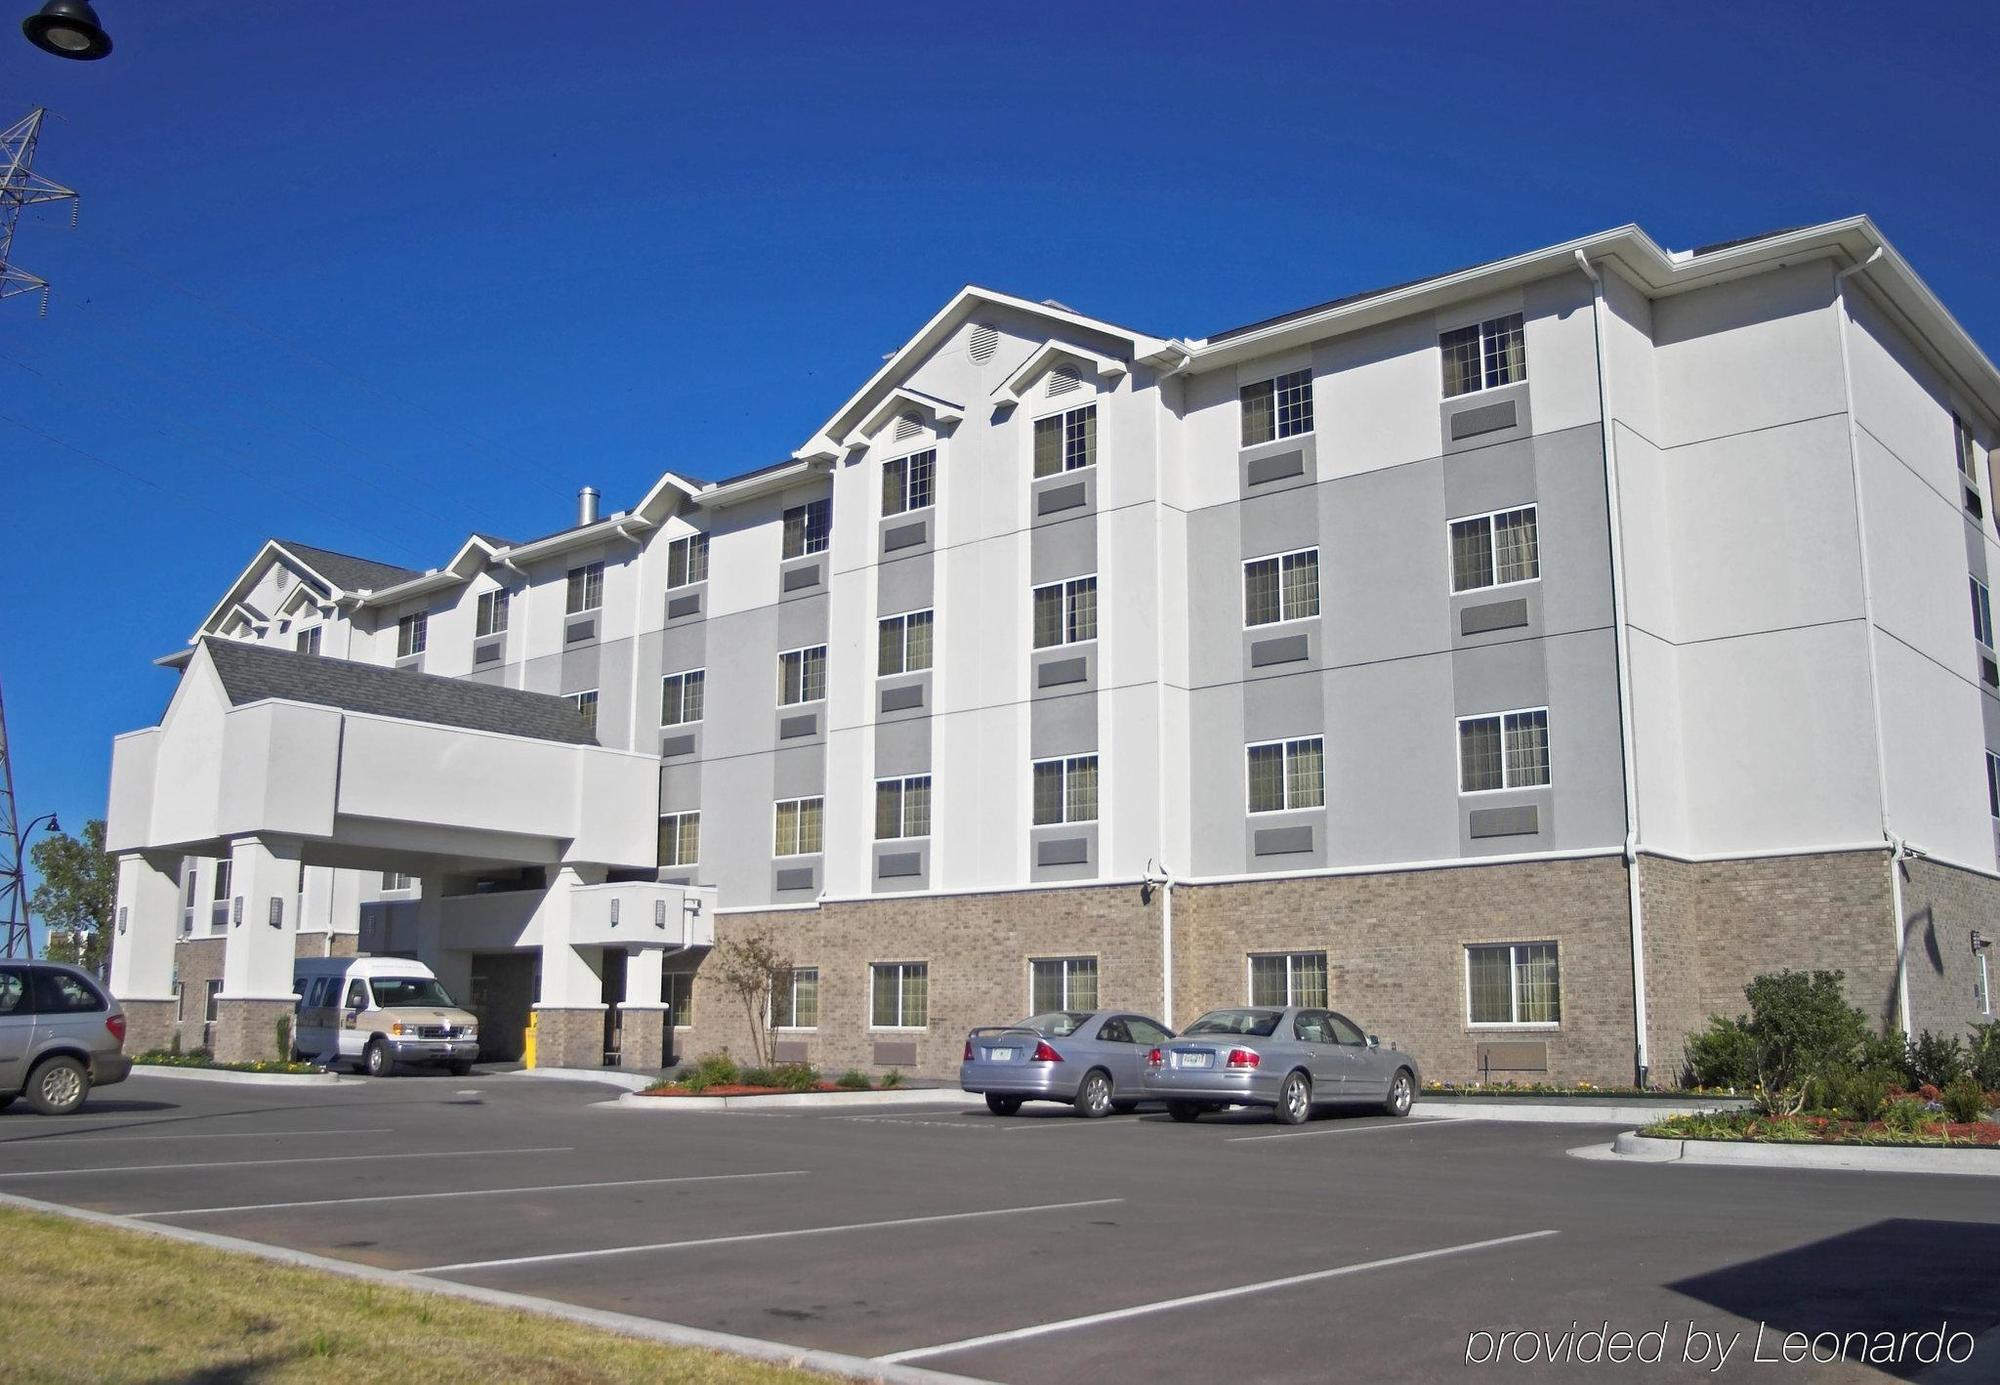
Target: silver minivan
60 1035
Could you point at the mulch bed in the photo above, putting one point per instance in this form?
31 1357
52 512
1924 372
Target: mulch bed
738 1089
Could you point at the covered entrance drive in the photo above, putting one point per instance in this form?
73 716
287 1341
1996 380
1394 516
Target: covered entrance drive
279 760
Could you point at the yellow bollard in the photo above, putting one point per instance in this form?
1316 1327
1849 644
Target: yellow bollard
528 1042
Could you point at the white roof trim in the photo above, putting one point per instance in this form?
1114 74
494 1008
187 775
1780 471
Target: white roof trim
758 483
901 400
1040 362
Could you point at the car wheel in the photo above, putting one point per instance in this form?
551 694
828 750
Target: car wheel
1093 1098
1124 1108
1184 1111
58 1087
1295 1100
1402 1091
376 1060
460 1069
1002 1105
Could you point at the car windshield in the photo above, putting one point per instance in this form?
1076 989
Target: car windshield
1255 1024
393 991
1056 1023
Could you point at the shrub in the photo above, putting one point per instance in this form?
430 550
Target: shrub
283 1028
1964 1102
711 1070
853 1080
1861 1094
892 1079
1889 1051
1804 1032
1936 1060
795 1077
1722 1055
1908 1116
1983 1055
758 1077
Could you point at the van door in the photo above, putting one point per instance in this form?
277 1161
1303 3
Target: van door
17 1028
316 1029
354 1018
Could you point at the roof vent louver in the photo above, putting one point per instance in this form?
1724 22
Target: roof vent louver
984 341
1063 379
908 425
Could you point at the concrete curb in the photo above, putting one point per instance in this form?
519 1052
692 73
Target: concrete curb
624 1324
1559 1113
241 1079
1977 1163
901 1096
609 1077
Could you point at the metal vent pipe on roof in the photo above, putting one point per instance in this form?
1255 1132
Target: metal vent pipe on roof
586 505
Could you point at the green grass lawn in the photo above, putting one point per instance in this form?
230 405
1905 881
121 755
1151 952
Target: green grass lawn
96 1303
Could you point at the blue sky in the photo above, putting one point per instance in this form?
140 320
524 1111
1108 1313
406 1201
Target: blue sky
370 275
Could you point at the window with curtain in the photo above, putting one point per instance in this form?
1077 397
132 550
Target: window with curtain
585 590
1280 407
413 635
795 1000
903 807
807 528
801 675
1287 774
1065 612
681 696
1066 441
1065 790
1061 983
1503 750
1282 587
1494 549
680 839
687 560
1288 978
586 707
901 995
903 643
798 827
1513 983
1485 356
492 614
909 483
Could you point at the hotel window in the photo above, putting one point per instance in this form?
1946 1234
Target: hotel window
413 634
903 643
213 993
1066 441
798 827
1280 588
1484 357
680 998
586 707
910 483
224 868
1066 612
395 880
681 697
1993 784
1513 983
1287 774
1982 613
1982 984
808 528
307 640
902 807
900 995
795 1000
1495 549
1277 408
586 589
1504 750
680 839
1288 978
492 614
1967 450
801 675
687 560
1061 983
1065 790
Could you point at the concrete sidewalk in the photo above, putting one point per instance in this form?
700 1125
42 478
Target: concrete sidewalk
1634 1147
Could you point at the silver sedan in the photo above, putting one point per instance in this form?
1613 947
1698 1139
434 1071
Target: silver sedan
1091 1059
1290 1059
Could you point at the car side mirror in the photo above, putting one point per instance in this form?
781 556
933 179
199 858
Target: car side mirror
1374 1041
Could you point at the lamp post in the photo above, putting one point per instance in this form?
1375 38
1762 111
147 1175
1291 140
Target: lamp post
14 886
68 29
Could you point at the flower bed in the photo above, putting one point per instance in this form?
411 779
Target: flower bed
161 1058
739 1089
1542 1091
1755 1128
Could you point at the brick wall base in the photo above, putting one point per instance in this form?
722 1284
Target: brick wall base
197 961
569 1038
1942 908
323 945
245 1031
149 1024
642 1039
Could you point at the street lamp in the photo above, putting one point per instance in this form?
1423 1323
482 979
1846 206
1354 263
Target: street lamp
33 823
68 29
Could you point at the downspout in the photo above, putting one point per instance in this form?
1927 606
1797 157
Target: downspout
1898 848
1622 642
1160 697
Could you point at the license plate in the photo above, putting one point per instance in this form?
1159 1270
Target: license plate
1194 1060
1000 1055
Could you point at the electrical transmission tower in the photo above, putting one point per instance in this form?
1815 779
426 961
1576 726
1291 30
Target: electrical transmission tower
21 187
13 873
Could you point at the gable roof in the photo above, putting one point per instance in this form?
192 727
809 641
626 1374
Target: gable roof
256 673
345 571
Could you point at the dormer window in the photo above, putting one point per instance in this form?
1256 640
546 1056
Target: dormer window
1066 441
413 633
910 483
492 614
808 528
687 560
307 640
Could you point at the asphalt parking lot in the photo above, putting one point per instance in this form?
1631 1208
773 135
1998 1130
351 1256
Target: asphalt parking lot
1043 1247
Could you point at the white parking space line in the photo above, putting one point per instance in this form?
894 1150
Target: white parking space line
315 1159
462 1192
1213 1296
761 1236
67 1141
1408 1123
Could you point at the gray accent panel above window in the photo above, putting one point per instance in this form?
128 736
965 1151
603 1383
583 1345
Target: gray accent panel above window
793 878
1284 841
1520 820
898 864
1486 418
1057 672
1054 499
488 651
679 607
791 727
1494 615
578 630
801 578
904 698
671 746
1263 470
905 536
1288 649
1062 851
895 1053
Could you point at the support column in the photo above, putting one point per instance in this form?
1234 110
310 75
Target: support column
262 945
452 966
643 1013
145 925
569 1012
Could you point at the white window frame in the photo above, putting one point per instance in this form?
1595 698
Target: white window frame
583 699
798 834
682 981
689 545
802 651
1285 743
1278 433
807 509
1458 754
413 634
905 507
682 679
1493 565
397 882
1069 763
902 619
306 641
591 591
489 605
1066 963
1965 450
679 820
1069 587
1982 612
1486 340
1319 596
1993 784
1513 986
903 783
1096 439
1984 981
1291 974
792 999
901 968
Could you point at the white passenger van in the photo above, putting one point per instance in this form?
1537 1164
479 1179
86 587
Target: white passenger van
377 1012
